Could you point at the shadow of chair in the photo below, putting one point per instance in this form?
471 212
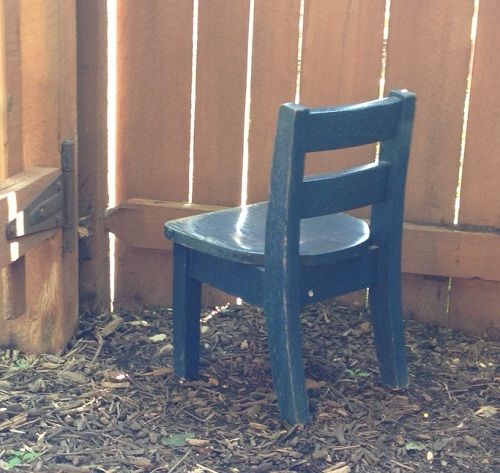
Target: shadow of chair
299 248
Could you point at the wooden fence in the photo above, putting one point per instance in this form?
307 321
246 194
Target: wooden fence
198 88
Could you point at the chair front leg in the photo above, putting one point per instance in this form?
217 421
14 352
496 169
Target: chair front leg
186 316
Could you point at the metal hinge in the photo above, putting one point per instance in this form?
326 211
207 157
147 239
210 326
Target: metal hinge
53 207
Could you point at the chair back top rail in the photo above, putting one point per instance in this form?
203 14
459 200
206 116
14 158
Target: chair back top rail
352 125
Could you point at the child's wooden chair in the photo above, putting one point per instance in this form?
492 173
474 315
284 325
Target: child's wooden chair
299 248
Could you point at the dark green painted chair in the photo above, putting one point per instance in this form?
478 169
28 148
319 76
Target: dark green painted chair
299 248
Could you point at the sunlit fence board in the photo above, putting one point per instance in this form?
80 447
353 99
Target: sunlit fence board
154 63
220 101
475 304
273 82
428 52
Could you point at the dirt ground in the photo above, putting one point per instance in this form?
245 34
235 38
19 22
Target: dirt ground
110 402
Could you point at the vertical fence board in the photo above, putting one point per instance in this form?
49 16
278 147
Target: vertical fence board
10 70
92 147
274 73
428 52
481 176
474 304
39 77
220 101
153 133
153 99
48 38
341 64
342 51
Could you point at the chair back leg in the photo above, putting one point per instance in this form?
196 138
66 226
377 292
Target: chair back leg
388 330
186 316
287 363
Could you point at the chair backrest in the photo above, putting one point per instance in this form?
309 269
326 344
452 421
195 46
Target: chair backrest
381 183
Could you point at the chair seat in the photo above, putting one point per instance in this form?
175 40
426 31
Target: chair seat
237 234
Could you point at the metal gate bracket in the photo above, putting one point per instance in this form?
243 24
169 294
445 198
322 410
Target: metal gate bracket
53 207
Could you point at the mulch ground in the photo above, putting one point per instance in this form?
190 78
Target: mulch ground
110 403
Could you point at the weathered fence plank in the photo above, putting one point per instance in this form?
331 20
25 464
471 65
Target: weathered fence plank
220 101
481 172
94 279
428 52
153 128
48 39
342 51
341 64
474 304
13 290
274 74
38 89
153 99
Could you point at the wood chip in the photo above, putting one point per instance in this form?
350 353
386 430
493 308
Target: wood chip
472 441
74 377
312 384
14 422
162 372
338 468
121 385
486 411
111 327
197 442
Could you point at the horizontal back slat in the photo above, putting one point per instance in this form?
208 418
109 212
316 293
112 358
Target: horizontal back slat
353 125
344 190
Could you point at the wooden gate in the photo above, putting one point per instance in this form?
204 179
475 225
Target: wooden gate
198 87
38 290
